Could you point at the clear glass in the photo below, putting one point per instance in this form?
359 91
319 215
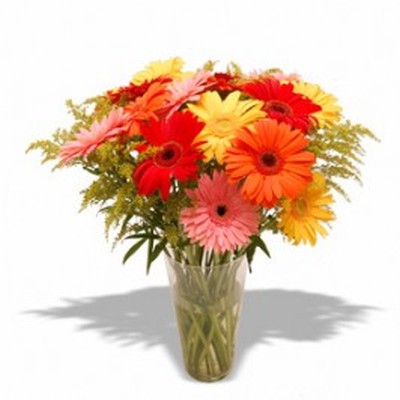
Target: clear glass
207 302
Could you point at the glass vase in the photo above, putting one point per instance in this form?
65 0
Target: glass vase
207 301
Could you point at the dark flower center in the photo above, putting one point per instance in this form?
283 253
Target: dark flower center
278 107
221 210
169 155
269 163
269 159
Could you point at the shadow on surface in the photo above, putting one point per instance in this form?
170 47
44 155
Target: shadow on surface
146 316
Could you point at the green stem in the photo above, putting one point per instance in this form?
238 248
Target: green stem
229 333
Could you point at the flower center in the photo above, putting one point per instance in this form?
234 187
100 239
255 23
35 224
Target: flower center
221 214
221 210
169 155
278 107
223 125
269 163
269 159
301 207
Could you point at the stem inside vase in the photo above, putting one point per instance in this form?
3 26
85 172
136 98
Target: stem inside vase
207 301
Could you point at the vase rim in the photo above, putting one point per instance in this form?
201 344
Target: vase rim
237 260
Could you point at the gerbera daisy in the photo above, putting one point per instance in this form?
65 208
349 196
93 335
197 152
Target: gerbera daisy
147 107
186 90
301 218
271 162
282 103
86 141
223 81
132 91
176 158
171 68
330 110
223 118
281 76
220 219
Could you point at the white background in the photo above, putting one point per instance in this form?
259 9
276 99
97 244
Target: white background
318 323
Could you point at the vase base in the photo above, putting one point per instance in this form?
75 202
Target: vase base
208 378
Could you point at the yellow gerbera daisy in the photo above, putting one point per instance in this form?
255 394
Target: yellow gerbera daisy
171 68
300 218
223 118
330 112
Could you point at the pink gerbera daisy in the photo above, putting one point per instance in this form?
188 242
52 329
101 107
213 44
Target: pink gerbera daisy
86 141
220 218
281 76
188 90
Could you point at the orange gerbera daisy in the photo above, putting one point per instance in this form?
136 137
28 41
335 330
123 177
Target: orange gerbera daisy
271 162
147 107
126 94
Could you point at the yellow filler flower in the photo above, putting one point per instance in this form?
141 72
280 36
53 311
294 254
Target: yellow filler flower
301 218
223 119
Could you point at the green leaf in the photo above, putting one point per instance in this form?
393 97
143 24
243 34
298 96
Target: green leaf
158 249
251 249
260 244
142 235
149 251
155 252
133 250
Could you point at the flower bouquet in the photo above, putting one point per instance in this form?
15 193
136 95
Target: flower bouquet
198 165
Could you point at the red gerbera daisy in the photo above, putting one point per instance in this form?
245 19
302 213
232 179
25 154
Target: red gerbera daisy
177 156
282 104
222 81
132 91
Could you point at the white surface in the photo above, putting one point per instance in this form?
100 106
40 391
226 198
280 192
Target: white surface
320 323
